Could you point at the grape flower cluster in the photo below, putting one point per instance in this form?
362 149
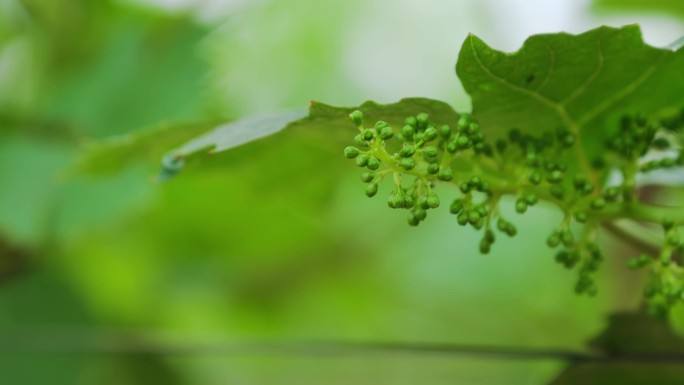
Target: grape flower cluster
423 153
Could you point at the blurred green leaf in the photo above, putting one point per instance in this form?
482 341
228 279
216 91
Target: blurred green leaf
582 83
670 7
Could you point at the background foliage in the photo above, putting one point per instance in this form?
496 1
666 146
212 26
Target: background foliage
273 240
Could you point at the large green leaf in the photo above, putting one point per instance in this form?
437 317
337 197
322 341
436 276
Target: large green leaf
321 119
583 83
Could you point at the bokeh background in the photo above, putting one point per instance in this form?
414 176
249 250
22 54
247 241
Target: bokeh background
273 241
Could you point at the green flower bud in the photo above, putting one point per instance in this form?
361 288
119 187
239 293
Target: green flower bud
473 128
371 189
386 133
452 147
433 200
520 206
407 163
456 206
554 176
462 218
408 132
430 134
407 151
356 117
368 134
351 152
463 142
511 230
464 187
531 199
485 188
502 224
422 119
358 139
413 220
598 204
445 174
581 216
612 194
362 160
473 217
379 125
373 163
535 178
567 238
367 177
430 151
475 182
557 191
420 213
553 240
445 131
463 123
411 121
433 168
485 247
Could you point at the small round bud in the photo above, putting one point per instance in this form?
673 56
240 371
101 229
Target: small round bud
557 191
501 224
445 131
422 119
456 206
446 174
351 152
462 218
581 216
485 247
463 142
407 163
535 178
554 176
531 199
598 203
373 163
475 182
413 220
430 134
368 134
464 187
407 151
511 230
520 206
463 123
433 168
452 147
433 200
567 238
359 139
485 188
362 160
612 194
430 151
371 190
411 121
386 133
356 117
367 177
408 132
379 125
421 214
473 217
553 240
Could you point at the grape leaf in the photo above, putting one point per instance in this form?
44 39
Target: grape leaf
668 7
582 83
330 119
328 122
